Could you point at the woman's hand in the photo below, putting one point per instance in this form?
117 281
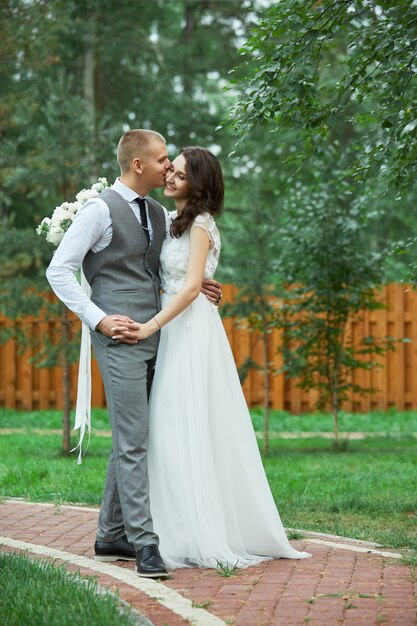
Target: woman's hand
134 332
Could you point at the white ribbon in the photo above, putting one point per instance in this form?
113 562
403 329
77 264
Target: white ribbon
83 406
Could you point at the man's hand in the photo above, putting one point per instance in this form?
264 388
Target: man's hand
212 290
106 325
134 332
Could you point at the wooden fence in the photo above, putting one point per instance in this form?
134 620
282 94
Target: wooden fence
24 386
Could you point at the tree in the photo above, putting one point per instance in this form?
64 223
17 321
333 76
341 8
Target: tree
252 241
62 122
172 68
23 294
332 278
332 83
250 266
321 66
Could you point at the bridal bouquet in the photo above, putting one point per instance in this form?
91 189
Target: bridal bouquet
54 228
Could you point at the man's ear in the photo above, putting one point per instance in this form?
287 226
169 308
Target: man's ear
137 166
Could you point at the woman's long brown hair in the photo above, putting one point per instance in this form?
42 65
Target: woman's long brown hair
205 179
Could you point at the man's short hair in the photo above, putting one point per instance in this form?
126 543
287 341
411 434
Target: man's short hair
134 144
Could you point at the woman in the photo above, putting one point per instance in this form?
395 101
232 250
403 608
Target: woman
210 498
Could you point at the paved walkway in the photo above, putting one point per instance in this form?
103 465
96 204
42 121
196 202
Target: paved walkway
346 582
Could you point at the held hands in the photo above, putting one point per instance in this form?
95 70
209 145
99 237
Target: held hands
132 332
126 330
212 290
106 325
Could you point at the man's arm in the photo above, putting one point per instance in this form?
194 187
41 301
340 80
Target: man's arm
91 229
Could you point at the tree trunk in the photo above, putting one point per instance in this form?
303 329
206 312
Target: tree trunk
335 386
89 80
66 383
335 411
266 389
190 10
89 68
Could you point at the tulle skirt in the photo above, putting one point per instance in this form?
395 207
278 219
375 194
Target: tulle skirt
210 499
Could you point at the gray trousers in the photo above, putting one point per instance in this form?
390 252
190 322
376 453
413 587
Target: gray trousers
127 372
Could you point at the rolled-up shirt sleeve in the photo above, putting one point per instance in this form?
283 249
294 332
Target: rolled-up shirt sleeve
90 230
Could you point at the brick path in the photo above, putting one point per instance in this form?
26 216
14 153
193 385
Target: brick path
346 582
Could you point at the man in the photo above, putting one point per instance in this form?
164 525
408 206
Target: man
117 238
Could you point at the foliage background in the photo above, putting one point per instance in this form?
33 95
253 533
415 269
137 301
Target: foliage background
310 107
76 74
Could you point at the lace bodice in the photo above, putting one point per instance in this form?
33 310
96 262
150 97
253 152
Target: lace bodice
175 252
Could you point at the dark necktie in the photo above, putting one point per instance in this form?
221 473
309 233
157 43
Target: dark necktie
143 217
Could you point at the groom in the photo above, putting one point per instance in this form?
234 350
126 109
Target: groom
117 238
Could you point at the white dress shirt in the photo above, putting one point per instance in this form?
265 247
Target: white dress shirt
91 230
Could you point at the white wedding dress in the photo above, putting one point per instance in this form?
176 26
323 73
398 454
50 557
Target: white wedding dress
210 499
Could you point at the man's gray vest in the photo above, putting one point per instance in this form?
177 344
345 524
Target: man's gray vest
124 277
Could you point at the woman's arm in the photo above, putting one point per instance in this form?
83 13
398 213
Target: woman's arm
199 247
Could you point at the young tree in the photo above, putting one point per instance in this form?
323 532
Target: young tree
333 276
250 262
24 294
251 247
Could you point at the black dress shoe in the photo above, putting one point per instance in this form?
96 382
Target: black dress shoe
149 562
119 550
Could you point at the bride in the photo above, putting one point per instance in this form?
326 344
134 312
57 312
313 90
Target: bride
210 500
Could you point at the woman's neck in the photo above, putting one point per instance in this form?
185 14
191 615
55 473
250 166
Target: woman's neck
180 206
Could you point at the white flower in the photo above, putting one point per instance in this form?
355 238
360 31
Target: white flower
86 194
60 214
80 196
54 235
71 207
74 206
54 228
100 185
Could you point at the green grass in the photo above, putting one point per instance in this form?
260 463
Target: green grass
33 467
37 593
388 422
10 418
367 491
227 571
